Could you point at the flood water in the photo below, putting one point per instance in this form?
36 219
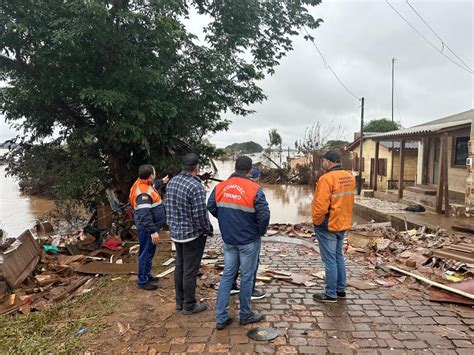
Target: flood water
18 212
288 203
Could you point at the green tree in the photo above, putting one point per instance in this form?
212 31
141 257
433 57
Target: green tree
274 139
330 144
123 82
245 147
381 125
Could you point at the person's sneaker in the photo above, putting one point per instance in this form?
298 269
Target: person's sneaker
221 326
253 318
198 307
258 295
341 294
322 297
234 291
149 286
179 307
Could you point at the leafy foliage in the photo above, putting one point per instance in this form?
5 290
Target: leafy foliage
274 138
119 83
333 143
245 147
381 125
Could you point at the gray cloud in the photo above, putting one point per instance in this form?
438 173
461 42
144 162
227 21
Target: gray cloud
358 39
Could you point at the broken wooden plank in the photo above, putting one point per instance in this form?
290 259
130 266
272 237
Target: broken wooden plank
167 272
106 268
454 255
283 273
361 285
264 278
463 227
71 288
432 283
444 296
168 262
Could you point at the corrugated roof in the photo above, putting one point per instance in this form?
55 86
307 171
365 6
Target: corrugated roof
460 119
396 145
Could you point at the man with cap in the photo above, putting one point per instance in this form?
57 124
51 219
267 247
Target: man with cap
189 227
240 206
332 217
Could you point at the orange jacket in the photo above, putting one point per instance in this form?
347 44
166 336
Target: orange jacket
333 200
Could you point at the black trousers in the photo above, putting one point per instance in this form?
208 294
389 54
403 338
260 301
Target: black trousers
188 261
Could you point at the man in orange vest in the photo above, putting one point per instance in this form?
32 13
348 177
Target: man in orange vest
332 217
149 215
240 206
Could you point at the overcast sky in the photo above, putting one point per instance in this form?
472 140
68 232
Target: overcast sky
359 39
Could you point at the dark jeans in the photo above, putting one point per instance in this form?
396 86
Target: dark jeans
145 257
188 261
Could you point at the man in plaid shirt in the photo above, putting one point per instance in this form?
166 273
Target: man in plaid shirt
189 224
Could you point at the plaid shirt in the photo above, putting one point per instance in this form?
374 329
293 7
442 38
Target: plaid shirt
186 211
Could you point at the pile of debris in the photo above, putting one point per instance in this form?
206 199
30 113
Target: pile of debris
45 268
300 230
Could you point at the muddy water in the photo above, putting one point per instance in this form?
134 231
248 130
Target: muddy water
18 212
288 203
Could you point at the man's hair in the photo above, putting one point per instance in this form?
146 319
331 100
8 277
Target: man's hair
145 171
189 169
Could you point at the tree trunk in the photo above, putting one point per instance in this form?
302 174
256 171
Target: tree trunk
121 177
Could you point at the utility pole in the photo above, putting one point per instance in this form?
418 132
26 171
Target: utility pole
393 143
359 185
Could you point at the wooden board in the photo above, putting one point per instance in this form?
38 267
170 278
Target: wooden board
454 255
106 268
167 272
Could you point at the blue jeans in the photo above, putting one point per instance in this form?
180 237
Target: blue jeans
247 257
330 248
145 257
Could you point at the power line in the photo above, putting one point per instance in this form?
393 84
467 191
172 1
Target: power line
444 44
428 41
326 64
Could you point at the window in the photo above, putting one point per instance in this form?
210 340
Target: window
355 164
382 167
460 150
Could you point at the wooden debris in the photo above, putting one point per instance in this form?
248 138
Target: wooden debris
167 272
432 283
106 268
168 262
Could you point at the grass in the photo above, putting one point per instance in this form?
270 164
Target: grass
54 329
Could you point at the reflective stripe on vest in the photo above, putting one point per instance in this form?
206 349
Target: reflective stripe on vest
342 194
237 193
143 187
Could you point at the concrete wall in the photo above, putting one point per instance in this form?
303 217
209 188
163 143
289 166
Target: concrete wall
411 157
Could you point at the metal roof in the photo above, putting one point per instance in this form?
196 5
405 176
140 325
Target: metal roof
439 125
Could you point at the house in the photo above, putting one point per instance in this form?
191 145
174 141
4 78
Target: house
388 162
443 169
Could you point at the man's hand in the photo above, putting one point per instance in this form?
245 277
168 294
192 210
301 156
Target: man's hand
165 179
155 238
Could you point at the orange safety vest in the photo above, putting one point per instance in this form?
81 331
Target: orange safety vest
237 193
334 195
144 187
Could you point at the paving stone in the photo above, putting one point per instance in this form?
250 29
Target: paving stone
463 344
312 350
298 341
415 344
287 350
447 320
265 348
196 348
363 335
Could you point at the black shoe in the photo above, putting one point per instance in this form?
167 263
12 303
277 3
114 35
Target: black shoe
321 297
149 286
258 295
179 307
235 290
253 318
221 326
198 307
341 294
153 279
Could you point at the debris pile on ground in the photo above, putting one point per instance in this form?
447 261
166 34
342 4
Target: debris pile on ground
301 230
42 267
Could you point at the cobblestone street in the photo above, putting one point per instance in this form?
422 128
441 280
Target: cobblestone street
393 320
